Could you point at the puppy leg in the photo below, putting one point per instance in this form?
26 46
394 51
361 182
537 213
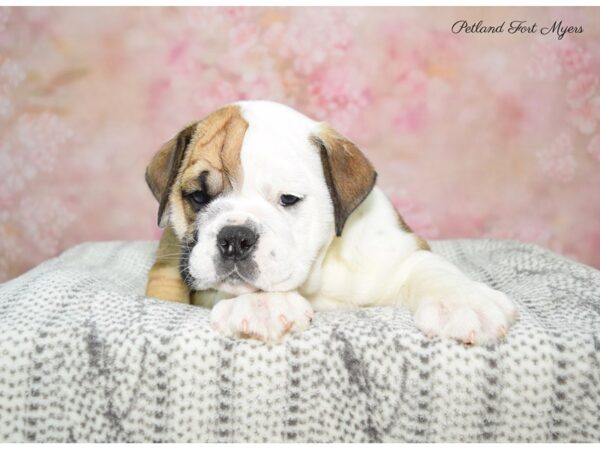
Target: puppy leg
164 278
265 316
447 303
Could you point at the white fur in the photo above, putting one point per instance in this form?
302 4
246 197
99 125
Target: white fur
267 316
373 263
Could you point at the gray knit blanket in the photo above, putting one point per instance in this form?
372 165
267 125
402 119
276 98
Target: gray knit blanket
85 357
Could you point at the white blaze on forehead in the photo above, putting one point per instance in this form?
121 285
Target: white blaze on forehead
277 144
276 116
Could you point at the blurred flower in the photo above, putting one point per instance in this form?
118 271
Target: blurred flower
411 118
543 62
4 17
595 106
11 73
574 58
594 147
584 119
557 160
339 95
310 37
11 76
33 231
581 88
31 147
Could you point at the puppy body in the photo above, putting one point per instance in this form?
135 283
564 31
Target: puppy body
341 245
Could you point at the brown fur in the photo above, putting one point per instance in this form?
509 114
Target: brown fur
157 173
211 146
422 244
349 175
164 167
164 279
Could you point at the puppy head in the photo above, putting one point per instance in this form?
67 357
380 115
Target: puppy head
254 192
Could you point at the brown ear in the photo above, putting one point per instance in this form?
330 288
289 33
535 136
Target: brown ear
349 175
163 169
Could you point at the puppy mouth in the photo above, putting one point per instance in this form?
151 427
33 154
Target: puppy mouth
236 283
235 276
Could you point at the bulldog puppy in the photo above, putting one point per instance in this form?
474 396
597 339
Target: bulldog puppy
271 215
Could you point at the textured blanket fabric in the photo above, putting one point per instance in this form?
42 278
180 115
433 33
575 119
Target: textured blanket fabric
85 357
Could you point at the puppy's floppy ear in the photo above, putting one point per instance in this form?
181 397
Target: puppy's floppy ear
349 175
164 167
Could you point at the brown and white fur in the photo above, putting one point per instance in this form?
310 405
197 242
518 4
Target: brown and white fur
234 243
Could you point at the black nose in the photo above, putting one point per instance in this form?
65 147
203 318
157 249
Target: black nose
236 242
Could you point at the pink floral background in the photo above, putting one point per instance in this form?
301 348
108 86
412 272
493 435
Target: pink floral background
479 136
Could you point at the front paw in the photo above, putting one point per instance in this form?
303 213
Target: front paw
472 313
265 316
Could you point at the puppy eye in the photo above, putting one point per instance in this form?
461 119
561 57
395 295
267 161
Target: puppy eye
197 199
288 200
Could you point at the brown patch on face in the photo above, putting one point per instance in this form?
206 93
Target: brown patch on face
211 147
218 141
349 175
200 176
